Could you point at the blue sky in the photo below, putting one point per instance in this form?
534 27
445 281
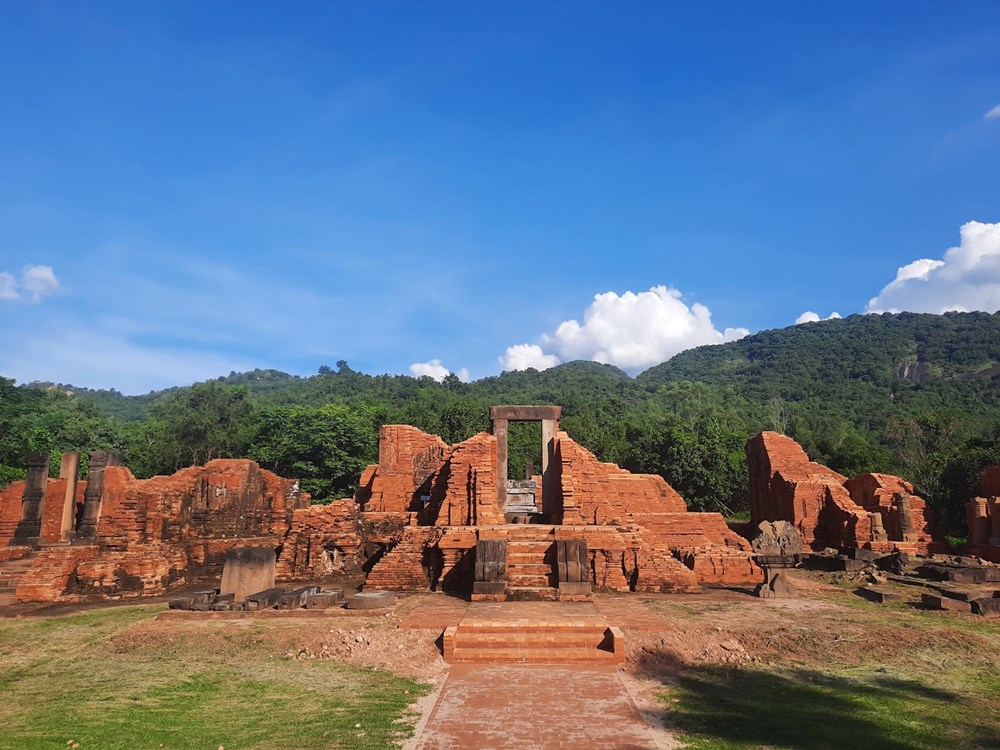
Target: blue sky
189 188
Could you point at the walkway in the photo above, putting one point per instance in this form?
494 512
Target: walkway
548 707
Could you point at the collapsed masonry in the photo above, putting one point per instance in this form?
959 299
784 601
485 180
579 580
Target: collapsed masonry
428 516
113 535
879 512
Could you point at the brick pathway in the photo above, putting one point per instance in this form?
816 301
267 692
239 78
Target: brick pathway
546 707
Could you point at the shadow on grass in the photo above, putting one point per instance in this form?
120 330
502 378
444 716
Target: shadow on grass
748 707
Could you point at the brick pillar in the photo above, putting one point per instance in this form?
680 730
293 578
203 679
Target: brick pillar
902 503
69 469
30 526
994 512
977 516
499 430
87 528
878 529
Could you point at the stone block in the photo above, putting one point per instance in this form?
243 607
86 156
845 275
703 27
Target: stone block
297 598
988 607
937 601
371 600
247 570
265 599
489 587
963 595
181 602
204 597
878 595
575 588
859 553
326 599
778 538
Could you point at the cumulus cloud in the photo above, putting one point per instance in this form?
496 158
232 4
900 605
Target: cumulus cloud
524 356
434 369
632 331
993 114
36 282
810 317
968 277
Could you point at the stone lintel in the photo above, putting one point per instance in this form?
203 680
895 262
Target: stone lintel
525 413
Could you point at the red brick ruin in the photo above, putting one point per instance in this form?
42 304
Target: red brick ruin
983 515
428 516
433 516
878 512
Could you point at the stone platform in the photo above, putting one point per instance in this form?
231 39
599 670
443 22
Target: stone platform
533 633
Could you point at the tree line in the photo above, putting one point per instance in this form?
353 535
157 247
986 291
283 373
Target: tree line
904 394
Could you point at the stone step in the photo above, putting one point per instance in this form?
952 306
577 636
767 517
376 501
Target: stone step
534 656
517 642
529 568
532 581
532 593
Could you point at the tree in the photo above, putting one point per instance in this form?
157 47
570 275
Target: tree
326 448
209 420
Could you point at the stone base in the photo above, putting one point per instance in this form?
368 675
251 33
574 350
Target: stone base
371 600
489 591
573 591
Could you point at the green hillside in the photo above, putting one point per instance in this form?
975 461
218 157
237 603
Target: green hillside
911 394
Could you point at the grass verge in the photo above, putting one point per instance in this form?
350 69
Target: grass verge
108 679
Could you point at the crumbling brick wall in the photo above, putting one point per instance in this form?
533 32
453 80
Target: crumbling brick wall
323 540
407 459
828 509
225 498
598 493
464 491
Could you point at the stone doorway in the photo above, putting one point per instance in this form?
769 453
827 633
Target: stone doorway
521 500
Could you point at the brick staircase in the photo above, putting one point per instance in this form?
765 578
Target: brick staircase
513 642
11 573
531 563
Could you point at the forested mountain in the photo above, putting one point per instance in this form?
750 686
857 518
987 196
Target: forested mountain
912 394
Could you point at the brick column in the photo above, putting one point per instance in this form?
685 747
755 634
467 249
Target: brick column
30 526
978 519
87 529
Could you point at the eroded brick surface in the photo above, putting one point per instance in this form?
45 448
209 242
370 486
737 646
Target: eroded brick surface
830 510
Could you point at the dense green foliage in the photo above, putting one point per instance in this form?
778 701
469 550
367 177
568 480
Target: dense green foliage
909 394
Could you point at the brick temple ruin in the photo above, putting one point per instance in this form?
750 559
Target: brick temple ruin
428 516
878 512
436 517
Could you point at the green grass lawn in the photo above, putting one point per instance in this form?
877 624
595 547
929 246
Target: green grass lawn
858 676
728 708
83 678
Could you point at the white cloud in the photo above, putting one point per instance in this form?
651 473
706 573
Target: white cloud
8 286
968 278
39 281
524 356
632 331
434 369
36 281
993 114
810 317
